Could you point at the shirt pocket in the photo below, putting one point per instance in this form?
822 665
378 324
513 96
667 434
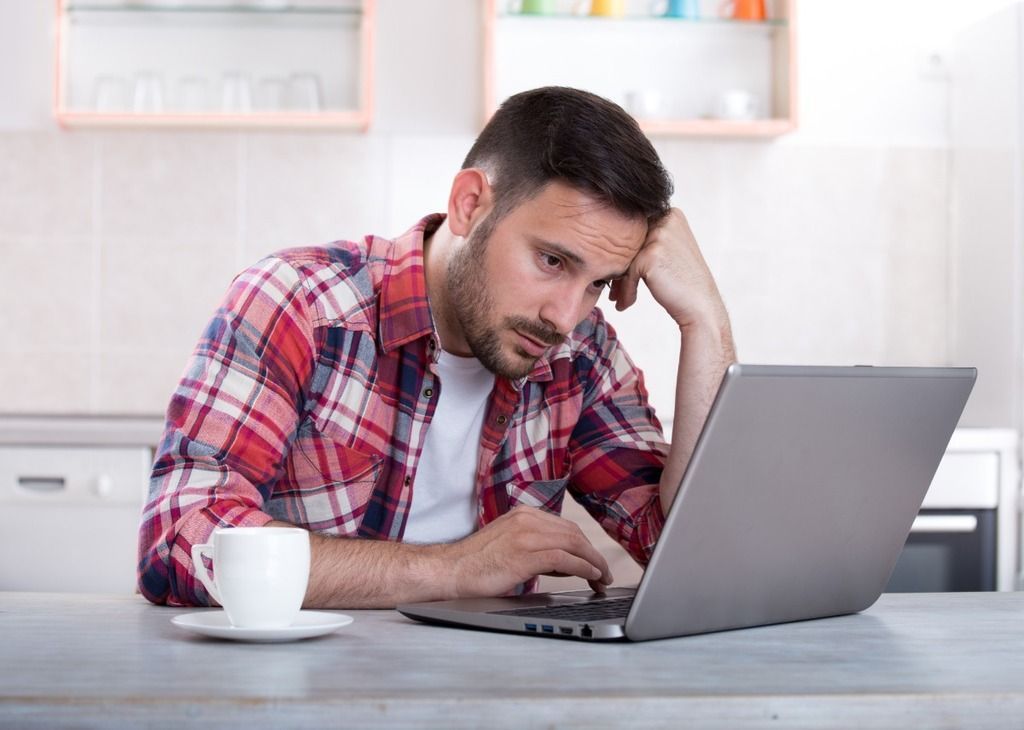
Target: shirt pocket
546 495
331 483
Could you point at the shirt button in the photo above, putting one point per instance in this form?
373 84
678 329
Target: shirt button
502 420
428 392
408 481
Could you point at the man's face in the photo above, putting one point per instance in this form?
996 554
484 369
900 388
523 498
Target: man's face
523 287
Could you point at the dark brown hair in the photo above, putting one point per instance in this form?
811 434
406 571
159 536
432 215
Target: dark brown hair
558 133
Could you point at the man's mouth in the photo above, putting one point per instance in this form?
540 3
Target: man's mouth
532 347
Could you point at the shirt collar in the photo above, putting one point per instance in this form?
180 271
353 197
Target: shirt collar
404 307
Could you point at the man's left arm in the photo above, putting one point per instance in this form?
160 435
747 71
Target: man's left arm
671 265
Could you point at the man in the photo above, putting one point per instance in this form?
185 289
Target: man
421 405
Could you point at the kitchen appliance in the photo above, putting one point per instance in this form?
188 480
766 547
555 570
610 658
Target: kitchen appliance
966 536
71 495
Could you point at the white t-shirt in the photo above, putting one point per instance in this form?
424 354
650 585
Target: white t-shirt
444 504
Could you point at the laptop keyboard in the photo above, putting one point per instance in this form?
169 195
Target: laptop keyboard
599 610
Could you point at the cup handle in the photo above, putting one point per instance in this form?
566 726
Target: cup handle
198 553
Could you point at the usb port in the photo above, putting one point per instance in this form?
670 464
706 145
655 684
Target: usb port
531 627
567 630
548 629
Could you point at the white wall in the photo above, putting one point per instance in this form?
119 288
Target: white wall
987 205
831 244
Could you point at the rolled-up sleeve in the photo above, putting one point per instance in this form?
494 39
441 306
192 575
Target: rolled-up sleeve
229 425
618 449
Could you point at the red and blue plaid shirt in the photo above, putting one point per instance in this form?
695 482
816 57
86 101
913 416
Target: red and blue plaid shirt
309 394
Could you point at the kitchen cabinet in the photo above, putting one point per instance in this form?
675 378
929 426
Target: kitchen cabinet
706 76
227 63
71 496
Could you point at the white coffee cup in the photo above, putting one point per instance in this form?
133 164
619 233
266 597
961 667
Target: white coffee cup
259 574
736 104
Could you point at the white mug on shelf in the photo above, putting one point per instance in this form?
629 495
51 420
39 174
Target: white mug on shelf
149 93
236 92
259 576
644 103
736 105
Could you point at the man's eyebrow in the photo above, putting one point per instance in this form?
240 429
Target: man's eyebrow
565 253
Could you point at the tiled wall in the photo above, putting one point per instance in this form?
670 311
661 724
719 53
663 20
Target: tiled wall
830 244
116 246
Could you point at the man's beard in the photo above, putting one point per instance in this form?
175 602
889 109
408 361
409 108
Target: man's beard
471 302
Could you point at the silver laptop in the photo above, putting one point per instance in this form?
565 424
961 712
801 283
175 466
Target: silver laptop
796 504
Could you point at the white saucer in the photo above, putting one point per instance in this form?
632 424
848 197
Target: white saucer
306 626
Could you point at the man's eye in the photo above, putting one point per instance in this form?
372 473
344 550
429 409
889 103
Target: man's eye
550 260
600 284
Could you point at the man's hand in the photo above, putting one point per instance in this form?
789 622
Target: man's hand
671 264
519 545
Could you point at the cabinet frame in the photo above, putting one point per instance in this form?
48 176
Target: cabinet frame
356 119
785 55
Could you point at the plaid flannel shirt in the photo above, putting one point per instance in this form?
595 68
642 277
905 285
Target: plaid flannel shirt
308 396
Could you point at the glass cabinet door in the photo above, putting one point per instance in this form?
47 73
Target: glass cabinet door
226 63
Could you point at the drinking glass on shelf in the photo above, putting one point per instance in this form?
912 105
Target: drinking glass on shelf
304 92
110 94
193 94
149 93
271 94
236 92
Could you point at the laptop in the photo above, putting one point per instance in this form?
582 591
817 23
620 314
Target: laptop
800 494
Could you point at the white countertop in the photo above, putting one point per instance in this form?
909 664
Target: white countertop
911 660
84 430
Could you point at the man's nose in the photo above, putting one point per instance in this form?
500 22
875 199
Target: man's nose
562 312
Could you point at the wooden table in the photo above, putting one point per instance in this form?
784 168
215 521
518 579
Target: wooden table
911 661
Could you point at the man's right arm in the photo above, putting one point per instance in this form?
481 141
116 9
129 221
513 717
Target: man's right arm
229 425
524 543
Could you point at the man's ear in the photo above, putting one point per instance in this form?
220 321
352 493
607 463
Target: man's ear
470 200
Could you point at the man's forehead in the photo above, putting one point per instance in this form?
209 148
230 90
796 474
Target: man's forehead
587 232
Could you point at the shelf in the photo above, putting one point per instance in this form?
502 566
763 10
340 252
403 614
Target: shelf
224 65
702 77
254 120
640 18
226 8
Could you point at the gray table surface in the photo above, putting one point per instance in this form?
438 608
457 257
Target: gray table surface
911 661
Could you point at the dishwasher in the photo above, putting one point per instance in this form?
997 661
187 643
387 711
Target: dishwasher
69 517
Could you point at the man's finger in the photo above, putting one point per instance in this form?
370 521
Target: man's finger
577 546
625 288
559 561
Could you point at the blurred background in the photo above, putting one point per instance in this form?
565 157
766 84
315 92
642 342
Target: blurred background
852 171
